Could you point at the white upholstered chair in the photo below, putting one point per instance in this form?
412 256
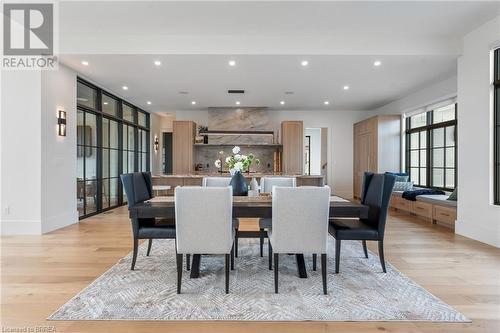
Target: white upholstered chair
299 224
266 185
203 218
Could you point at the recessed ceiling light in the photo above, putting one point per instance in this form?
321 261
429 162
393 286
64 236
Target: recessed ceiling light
238 103
193 102
125 88
232 63
377 63
105 103
304 63
326 102
157 63
148 103
346 87
282 102
85 63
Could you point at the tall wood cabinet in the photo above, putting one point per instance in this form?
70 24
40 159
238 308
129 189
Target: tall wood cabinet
292 139
377 147
182 146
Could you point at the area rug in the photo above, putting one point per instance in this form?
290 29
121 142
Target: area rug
361 292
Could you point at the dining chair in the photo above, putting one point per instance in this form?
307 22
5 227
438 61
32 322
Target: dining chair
203 218
376 194
223 182
299 225
266 186
138 188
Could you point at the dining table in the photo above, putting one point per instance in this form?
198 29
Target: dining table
245 207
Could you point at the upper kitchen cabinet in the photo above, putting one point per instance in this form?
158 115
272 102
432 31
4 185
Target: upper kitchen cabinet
182 146
377 147
292 139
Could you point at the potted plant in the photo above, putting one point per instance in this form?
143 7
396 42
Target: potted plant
237 164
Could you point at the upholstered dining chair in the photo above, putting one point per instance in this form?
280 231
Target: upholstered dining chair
138 188
203 217
376 194
299 225
224 182
266 185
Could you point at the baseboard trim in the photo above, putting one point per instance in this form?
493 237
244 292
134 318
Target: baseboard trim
59 221
20 227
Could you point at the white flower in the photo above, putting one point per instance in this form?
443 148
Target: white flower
228 159
238 166
237 157
236 150
217 164
243 157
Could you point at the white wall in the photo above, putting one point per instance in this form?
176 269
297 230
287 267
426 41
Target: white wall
340 138
477 217
38 183
315 159
21 152
58 152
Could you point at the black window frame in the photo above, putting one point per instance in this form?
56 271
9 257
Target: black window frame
100 114
428 130
496 127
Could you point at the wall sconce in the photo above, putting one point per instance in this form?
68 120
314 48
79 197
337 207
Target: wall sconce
157 144
61 123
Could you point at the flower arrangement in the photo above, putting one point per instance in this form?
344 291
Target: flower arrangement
237 162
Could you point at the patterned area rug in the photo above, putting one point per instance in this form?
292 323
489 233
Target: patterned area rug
361 292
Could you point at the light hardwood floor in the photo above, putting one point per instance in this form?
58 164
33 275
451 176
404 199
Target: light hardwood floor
40 273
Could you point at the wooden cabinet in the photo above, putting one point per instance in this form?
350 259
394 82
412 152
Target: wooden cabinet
445 215
292 139
182 147
376 147
422 209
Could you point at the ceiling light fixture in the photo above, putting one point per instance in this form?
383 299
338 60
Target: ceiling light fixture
238 103
193 102
125 88
85 63
377 63
232 63
282 102
157 63
326 102
304 63
105 103
346 87
148 103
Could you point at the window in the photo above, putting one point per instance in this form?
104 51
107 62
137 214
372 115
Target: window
107 145
496 86
431 149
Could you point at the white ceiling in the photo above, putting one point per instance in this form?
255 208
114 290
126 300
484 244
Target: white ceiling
418 43
265 79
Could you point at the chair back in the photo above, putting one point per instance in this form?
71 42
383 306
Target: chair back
376 194
267 183
216 181
138 187
300 219
203 217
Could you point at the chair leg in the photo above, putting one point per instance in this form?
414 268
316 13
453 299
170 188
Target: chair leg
270 256
261 242
134 255
314 261
227 272
232 258
150 243
236 243
337 256
381 254
188 262
276 269
178 259
323 272
365 249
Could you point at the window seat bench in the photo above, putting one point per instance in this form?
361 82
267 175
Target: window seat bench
434 208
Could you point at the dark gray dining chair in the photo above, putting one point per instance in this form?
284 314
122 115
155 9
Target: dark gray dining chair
376 194
138 188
